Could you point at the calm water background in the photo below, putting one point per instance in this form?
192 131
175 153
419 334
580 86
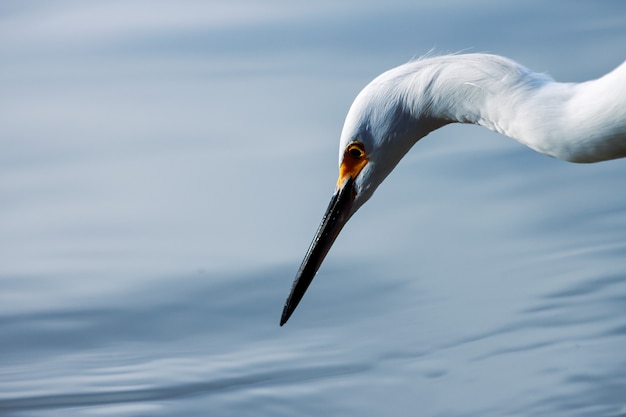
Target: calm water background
164 166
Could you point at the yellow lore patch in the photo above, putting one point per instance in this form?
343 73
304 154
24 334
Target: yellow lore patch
354 159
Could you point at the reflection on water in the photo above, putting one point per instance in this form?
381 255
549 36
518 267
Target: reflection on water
164 167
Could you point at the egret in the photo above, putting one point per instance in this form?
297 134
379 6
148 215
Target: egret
577 122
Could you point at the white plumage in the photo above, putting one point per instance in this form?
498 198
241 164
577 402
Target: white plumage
584 122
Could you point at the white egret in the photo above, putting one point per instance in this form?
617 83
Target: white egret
577 122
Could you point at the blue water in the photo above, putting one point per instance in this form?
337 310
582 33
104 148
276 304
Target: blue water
164 166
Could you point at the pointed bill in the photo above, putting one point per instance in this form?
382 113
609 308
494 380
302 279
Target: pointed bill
337 214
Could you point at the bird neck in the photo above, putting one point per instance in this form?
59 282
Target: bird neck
583 122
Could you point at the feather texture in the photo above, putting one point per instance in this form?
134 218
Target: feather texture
577 122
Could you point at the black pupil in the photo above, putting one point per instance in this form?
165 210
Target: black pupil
355 152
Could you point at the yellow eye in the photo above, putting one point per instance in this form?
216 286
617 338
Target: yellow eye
356 150
354 160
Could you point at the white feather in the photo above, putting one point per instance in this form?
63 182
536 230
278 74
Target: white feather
583 122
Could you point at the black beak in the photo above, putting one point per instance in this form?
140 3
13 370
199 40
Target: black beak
337 214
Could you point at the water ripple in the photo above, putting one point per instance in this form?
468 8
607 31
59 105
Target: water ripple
160 393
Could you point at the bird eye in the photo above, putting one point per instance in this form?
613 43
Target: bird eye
355 150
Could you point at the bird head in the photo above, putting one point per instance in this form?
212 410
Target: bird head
379 130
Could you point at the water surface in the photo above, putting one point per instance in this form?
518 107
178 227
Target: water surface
164 167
